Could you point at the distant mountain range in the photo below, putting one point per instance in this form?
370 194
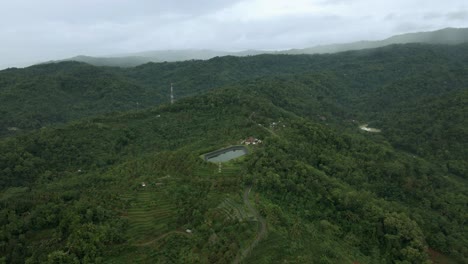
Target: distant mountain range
447 36
135 59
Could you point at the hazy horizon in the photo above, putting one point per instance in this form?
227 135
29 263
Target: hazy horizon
38 31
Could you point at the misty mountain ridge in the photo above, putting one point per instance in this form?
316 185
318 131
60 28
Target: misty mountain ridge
447 36
139 58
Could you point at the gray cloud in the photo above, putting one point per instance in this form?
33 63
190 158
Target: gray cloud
432 15
86 11
391 16
458 15
411 26
334 2
33 31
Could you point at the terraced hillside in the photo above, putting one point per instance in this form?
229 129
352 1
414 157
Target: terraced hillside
154 213
235 210
151 214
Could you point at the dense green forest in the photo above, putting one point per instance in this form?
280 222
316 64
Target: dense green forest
46 94
101 186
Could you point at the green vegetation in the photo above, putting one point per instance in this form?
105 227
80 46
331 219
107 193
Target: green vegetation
318 190
150 213
56 93
47 94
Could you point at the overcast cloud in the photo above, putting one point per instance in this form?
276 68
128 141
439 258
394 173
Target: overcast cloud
40 30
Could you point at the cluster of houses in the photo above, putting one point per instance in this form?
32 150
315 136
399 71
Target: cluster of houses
276 124
251 141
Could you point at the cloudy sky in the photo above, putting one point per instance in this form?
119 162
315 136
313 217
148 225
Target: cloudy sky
39 30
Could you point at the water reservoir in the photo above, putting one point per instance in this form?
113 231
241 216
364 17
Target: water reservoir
226 154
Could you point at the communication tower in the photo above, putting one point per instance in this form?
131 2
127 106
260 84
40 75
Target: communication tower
172 94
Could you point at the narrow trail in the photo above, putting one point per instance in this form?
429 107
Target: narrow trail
261 232
264 127
160 237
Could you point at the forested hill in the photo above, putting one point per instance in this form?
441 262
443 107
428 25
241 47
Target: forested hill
126 187
416 94
54 93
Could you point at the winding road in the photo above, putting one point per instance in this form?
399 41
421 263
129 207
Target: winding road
261 232
266 128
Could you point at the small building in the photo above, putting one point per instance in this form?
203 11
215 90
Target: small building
322 117
251 141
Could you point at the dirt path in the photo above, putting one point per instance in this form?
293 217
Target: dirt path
160 237
261 232
262 126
